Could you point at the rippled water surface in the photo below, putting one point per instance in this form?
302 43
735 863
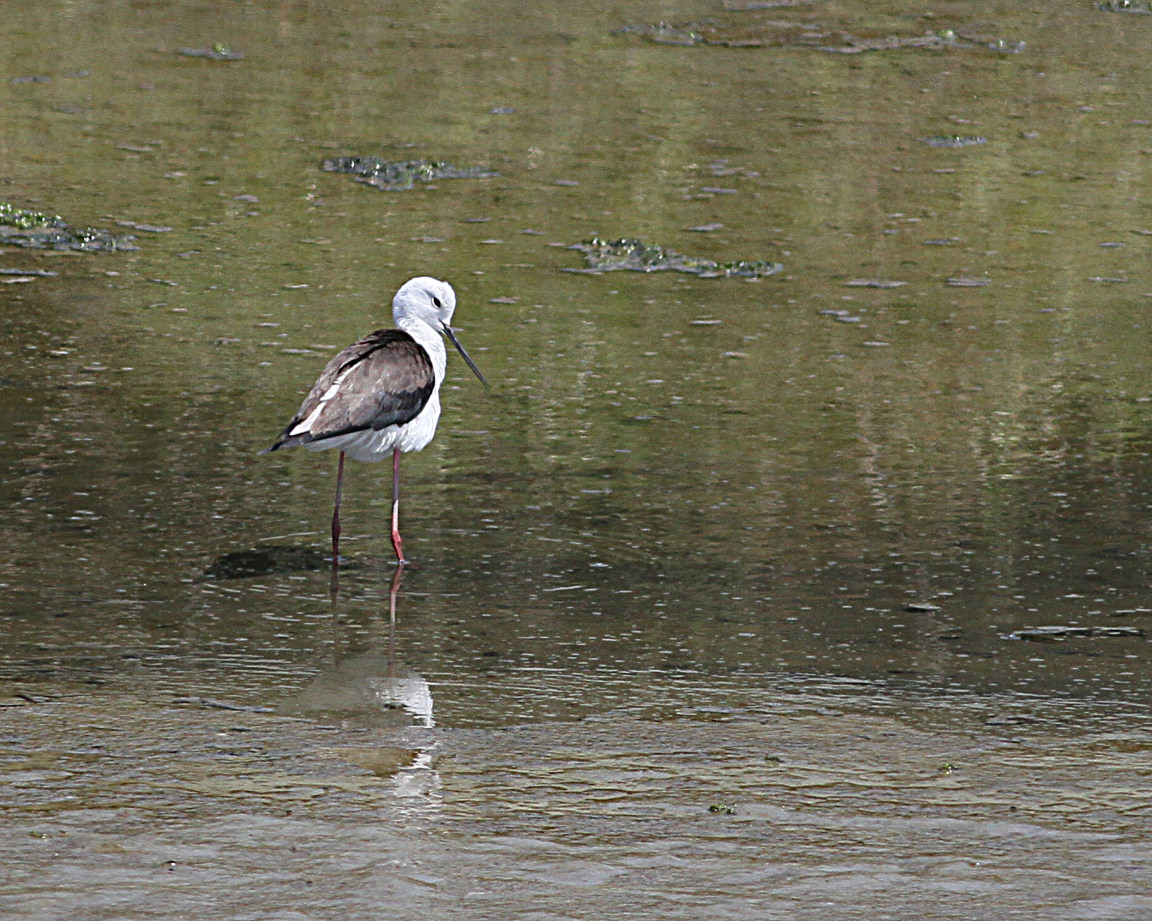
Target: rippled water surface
817 594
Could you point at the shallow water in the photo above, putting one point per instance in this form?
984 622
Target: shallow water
763 545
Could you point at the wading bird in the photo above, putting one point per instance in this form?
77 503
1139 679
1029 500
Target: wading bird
381 395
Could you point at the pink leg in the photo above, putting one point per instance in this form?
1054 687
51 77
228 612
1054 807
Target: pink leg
397 545
336 514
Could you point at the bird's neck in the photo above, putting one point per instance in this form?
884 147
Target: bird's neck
429 339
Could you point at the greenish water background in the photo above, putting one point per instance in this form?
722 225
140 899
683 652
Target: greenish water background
685 502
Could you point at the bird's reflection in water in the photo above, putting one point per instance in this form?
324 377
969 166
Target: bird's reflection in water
370 688
373 690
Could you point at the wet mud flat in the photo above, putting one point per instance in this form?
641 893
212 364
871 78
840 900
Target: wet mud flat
786 802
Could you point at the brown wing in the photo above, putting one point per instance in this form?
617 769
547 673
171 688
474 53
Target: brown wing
384 379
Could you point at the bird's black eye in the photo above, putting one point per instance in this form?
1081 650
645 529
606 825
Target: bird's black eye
436 301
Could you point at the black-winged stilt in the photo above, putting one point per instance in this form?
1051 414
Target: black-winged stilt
381 395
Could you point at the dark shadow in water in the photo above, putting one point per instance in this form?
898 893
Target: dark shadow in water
264 561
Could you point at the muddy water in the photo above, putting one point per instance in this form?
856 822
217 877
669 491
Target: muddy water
818 594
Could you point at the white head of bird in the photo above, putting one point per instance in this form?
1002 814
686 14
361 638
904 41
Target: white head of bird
424 304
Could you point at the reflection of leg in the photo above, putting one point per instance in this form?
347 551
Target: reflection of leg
396 544
336 514
392 620
392 601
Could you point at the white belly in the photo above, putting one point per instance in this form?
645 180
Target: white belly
371 445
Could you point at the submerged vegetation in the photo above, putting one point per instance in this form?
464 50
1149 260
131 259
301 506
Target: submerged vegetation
638 256
38 230
400 175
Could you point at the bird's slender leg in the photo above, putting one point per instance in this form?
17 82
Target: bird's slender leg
336 514
399 547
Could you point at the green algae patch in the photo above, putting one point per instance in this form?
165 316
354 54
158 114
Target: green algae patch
218 52
1058 634
955 140
38 230
1125 6
401 175
20 219
638 256
739 32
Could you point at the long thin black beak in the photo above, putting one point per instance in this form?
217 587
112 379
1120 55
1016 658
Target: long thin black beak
459 348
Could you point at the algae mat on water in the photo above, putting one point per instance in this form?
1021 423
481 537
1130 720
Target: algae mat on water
36 230
401 175
638 256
